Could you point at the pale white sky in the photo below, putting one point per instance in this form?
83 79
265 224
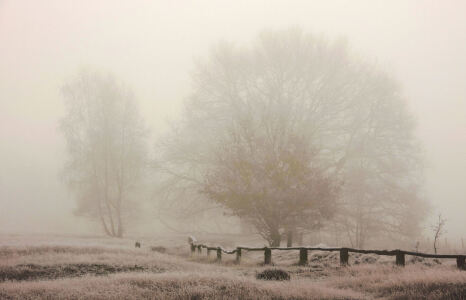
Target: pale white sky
152 45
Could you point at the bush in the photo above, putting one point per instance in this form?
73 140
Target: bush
273 274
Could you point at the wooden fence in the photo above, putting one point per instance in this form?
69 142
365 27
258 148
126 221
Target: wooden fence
303 253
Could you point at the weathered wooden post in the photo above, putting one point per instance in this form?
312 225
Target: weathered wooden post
400 258
344 256
208 252
219 254
267 256
460 262
302 256
238 255
192 241
199 249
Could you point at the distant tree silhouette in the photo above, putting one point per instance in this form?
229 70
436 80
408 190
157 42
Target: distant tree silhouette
105 140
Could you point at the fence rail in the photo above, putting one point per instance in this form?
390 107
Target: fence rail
303 253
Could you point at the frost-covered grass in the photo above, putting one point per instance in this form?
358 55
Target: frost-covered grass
411 282
172 285
101 268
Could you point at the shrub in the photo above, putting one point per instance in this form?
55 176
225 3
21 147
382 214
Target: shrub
273 274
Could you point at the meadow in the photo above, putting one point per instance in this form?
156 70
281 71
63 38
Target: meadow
81 267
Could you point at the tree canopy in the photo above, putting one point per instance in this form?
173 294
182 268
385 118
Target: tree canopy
295 129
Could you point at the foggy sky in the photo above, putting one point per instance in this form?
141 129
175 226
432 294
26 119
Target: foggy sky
151 45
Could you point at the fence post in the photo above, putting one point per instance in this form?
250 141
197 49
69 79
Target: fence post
460 262
238 255
302 256
193 248
199 249
219 254
208 252
267 256
400 258
344 256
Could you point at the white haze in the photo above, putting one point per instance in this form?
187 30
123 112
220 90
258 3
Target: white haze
152 46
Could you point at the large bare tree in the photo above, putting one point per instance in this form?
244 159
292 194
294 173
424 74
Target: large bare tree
106 144
298 99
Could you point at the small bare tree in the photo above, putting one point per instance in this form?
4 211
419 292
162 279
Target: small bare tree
439 229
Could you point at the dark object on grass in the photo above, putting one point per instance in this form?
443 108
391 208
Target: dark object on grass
159 249
137 245
273 274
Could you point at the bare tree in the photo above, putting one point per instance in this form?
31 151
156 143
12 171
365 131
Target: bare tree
382 171
106 148
438 229
293 90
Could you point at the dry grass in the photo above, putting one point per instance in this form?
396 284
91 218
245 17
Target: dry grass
77 268
411 282
46 255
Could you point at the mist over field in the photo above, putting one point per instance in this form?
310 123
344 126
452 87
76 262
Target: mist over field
250 149
154 49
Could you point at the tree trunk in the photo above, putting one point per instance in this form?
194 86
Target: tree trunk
107 232
107 200
119 221
300 236
120 230
289 238
275 238
102 220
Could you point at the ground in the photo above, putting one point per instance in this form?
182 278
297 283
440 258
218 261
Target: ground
37 267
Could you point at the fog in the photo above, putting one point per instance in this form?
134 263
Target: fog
153 46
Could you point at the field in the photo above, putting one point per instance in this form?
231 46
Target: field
64 267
